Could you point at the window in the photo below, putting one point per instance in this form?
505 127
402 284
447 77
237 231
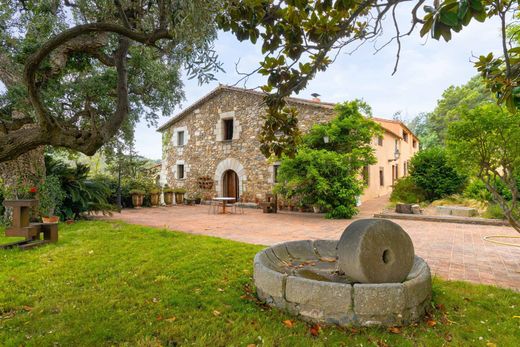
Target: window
366 175
180 138
275 172
228 129
395 172
405 136
414 143
382 176
180 171
380 140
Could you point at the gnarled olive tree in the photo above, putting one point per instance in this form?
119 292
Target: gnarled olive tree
75 73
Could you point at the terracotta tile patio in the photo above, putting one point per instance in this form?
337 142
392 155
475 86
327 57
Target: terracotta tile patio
453 251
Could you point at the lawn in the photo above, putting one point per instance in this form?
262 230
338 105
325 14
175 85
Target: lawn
109 283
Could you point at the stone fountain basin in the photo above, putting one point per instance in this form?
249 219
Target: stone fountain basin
301 278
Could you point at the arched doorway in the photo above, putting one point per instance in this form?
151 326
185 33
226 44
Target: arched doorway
230 184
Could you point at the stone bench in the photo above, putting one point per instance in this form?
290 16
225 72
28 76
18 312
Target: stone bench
458 211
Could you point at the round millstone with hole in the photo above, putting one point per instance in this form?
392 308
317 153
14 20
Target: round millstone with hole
375 251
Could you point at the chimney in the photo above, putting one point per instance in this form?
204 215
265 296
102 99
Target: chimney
315 97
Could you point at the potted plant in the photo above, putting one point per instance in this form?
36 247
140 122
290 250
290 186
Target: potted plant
155 194
168 195
69 217
137 197
179 195
51 198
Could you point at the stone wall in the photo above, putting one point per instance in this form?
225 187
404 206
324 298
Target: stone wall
206 154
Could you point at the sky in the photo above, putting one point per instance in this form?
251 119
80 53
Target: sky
426 69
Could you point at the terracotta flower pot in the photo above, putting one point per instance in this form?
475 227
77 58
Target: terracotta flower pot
137 200
51 219
154 199
168 198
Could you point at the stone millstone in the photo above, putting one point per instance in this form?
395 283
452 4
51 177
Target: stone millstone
375 251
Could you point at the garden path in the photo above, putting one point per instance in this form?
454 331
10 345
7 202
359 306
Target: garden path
453 251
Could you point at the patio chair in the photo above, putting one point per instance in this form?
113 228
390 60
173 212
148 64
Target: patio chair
213 206
238 204
270 205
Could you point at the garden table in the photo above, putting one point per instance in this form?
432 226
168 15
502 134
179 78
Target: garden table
224 201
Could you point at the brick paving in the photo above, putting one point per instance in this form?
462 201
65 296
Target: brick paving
453 251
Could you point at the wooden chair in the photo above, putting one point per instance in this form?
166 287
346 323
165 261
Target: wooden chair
270 205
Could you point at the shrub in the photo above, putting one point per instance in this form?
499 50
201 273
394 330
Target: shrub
82 193
51 196
405 190
431 171
494 212
321 178
477 190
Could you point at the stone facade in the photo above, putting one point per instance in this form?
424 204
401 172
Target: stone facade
204 152
195 148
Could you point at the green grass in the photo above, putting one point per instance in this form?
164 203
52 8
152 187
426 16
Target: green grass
109 284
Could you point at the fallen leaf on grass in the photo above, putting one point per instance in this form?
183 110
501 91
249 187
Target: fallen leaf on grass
440 307
431 323
159 318
216 313
315 330
251 345
394 330
288 323
382 343
516 317
27 308
171 319
220 289
491 344
448 337
353 330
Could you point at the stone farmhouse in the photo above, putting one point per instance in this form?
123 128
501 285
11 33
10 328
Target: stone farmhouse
211 148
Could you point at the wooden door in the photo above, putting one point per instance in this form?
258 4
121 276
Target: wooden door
230 181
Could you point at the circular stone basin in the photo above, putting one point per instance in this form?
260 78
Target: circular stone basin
302 277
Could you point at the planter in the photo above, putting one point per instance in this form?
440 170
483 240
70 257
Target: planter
168 198
70 221
154 199
179 198
51 219
137 200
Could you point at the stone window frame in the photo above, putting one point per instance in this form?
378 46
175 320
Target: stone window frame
175 136
273 171
176 173
219 128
